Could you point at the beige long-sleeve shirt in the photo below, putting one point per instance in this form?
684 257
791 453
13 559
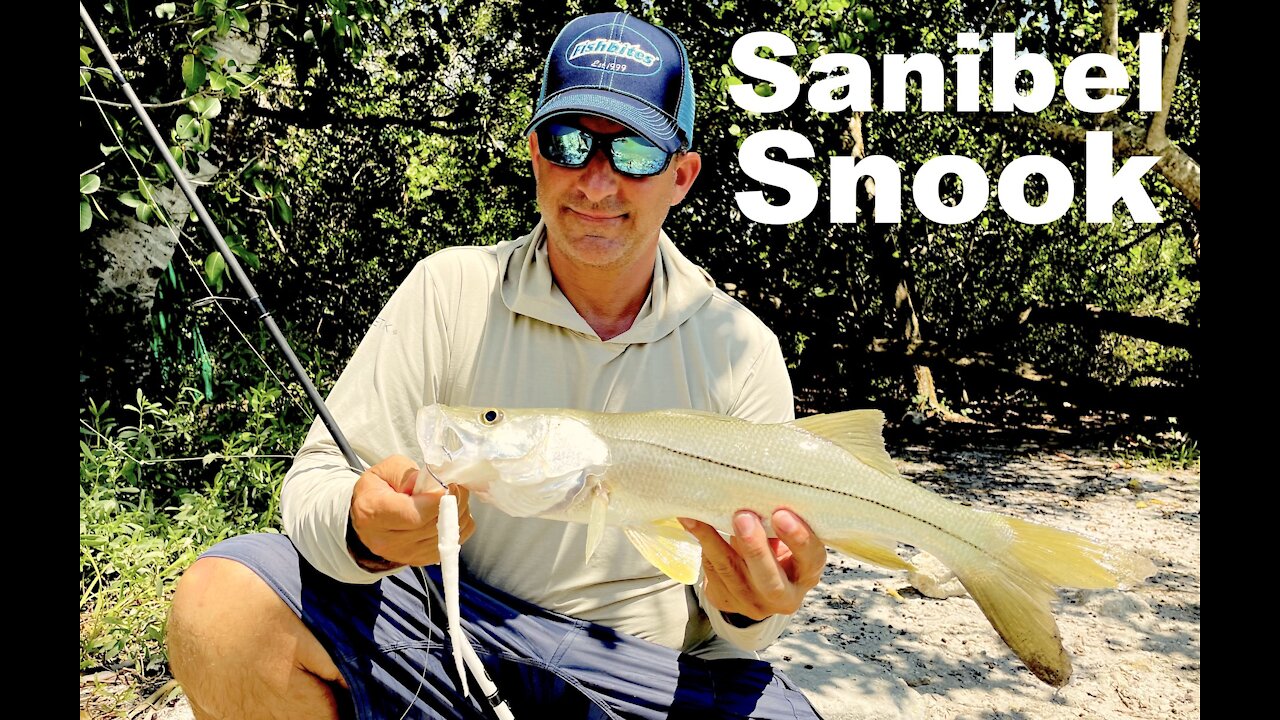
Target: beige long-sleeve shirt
487 326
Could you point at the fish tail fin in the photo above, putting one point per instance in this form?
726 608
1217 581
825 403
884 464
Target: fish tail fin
1067 559
1014 586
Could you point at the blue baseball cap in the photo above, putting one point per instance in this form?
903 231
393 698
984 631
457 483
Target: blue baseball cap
622 68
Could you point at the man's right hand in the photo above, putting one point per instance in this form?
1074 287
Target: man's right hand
396 525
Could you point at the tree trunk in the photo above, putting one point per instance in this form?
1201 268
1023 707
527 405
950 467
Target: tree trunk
1180 169
896 280
138 253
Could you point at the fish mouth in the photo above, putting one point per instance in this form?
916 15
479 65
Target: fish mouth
449 440
453 453
441 442
451 446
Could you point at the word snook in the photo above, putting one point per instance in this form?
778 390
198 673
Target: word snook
850 90
1102 187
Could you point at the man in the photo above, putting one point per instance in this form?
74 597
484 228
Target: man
594 309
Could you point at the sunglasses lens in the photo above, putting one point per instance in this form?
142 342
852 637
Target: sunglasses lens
565 145
634 155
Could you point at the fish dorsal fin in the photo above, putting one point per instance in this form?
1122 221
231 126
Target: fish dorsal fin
599 513
668 547
870 548
857 431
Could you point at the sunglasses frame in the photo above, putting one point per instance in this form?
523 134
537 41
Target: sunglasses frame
599 141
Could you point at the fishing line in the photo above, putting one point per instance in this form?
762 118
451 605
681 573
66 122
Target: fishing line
500 707
177 236
206 459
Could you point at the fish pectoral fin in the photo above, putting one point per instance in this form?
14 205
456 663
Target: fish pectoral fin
599 513
870 548
679 558
857 431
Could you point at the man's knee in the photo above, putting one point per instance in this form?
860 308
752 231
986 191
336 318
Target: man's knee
231 638
219 604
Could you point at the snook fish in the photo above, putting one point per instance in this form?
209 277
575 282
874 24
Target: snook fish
640 471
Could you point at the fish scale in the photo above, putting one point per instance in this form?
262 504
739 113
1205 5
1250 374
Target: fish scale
741 466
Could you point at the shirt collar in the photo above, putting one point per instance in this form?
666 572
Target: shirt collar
679 289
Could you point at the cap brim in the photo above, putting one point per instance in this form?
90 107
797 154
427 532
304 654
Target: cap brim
654 125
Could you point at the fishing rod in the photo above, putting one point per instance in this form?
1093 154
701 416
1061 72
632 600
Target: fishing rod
473 663
233 265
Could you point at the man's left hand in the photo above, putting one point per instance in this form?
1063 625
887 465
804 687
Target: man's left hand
755 575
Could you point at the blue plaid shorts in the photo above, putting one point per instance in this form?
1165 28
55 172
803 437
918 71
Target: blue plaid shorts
395 658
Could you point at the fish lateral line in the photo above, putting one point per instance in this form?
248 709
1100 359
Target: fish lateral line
810 486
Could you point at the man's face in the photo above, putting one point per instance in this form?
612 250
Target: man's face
598 218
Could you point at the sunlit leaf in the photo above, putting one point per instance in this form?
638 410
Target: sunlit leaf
187 126
214 267
193 73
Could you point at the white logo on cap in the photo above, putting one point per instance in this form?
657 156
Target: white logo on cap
605 46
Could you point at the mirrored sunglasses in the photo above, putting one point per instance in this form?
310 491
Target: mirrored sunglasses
571 146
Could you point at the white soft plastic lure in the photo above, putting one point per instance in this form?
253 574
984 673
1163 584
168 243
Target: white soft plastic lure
449 545
641 471
447 533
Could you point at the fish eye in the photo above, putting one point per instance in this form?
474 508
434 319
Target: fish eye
491 416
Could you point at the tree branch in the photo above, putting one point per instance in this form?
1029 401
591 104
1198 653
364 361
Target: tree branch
1128 139
1172 62
1179 168
1111 29
317 119
1081 392
1110 46
1088 317
1117 250
152 106
1155 329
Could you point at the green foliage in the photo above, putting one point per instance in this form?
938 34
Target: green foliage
1168 450
420 148
834 285
350 139
147 510
89 184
